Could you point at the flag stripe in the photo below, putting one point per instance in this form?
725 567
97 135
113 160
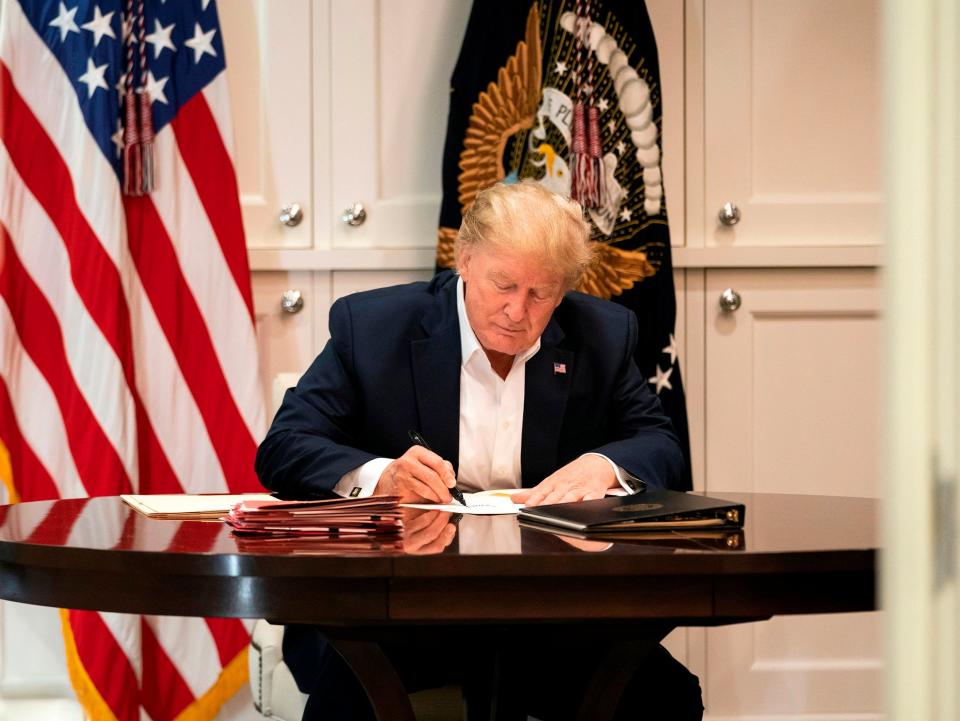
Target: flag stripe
42 339
217 94
172 409
209 164
153 461
230 637
165 691
187 643
24 461
106 663
210 281
184 328
92 361
43 171
36 412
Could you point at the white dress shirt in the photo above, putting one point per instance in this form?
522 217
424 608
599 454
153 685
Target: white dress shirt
491 423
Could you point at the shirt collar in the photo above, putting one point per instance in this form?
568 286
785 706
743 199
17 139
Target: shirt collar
469 345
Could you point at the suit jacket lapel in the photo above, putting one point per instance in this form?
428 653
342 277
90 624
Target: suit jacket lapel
547 386
436 376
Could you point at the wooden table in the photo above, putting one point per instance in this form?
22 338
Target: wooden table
797 554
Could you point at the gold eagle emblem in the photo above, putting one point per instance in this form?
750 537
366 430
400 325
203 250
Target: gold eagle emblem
507 107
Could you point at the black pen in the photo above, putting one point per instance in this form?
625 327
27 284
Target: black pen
419 440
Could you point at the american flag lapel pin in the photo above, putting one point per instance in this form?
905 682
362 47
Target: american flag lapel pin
559 369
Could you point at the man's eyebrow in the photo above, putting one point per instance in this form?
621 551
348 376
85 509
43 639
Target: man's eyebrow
501 276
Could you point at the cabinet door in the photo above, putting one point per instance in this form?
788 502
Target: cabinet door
287 341
390 67
793 382
792 121
792 406
269 72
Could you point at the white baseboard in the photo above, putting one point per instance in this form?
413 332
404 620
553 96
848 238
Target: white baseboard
40 710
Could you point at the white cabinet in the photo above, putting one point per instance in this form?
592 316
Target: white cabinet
390 65
792 386
793 382
269 47
339 102
791 121
288 341
796 668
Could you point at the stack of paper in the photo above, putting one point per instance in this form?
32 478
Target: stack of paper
320 545
376 518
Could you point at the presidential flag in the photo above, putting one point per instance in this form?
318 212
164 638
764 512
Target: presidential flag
128 360
567 92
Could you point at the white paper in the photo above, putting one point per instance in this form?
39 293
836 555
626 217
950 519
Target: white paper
484 503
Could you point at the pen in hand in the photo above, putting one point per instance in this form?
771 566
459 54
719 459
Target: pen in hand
419 440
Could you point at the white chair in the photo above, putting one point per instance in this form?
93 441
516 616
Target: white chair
275 693
276 696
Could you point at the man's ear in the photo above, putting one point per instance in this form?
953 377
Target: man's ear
463 264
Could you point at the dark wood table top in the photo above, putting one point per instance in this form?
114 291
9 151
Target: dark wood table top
796 554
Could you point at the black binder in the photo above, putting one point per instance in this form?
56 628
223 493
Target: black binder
652 510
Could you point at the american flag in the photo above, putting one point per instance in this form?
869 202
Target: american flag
128 359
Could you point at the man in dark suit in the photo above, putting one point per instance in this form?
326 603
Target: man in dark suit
516 380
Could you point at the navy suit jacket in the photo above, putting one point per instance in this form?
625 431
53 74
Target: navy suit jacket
393 363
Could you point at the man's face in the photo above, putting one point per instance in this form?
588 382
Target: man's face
509 298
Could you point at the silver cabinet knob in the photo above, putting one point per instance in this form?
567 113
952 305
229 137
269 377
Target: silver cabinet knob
354 215
730 300
729 214
291 214
291 301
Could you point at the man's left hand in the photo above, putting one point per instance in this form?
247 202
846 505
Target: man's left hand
586 478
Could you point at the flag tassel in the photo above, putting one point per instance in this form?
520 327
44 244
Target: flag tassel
597 188
579 159
146 143
132 160
587 180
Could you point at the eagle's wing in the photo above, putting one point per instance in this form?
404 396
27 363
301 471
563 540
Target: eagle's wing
503 109
614 270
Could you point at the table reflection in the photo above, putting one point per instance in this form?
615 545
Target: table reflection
775 524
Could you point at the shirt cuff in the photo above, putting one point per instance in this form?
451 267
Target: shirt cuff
362 480
630 484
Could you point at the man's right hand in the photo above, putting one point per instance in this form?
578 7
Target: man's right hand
427 532
418 475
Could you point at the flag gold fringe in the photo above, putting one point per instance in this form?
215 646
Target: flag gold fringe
6 475
88 695
234 675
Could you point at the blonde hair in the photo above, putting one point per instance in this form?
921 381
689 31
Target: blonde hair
528 219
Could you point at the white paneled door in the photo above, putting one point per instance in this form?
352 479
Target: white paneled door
792 121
